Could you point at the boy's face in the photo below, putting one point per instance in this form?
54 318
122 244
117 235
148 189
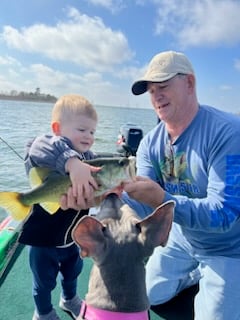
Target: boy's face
80 130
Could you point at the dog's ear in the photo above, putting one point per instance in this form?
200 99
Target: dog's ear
156 227
88 234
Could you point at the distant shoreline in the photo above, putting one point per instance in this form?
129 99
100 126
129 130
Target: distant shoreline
27 98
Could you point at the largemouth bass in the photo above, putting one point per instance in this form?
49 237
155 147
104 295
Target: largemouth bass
48 186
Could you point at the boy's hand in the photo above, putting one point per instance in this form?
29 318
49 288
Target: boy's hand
83 184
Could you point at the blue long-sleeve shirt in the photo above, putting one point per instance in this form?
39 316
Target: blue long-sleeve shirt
201 172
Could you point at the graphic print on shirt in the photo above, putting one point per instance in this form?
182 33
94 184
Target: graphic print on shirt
174 173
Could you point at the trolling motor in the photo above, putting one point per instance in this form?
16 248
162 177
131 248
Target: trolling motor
128 141
129 138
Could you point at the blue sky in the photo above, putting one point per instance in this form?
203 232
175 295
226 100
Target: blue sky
97 48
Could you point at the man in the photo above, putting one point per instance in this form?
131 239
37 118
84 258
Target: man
193 157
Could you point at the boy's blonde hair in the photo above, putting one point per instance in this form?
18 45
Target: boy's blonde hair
71 105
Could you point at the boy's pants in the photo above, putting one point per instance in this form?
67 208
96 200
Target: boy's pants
46 263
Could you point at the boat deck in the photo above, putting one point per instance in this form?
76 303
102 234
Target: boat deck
16 300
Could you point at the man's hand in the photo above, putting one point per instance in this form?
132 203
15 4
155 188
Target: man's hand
145 190
68 201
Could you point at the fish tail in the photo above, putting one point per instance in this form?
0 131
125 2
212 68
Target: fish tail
11 202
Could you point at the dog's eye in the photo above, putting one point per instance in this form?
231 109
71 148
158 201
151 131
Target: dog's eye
103 229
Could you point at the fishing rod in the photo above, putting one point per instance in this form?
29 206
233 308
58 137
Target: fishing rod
11 148
9 237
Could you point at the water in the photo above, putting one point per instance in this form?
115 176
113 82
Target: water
21 121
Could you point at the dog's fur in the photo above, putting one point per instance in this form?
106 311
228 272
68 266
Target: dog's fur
119 243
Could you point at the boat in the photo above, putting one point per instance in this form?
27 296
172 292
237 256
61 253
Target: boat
15 275
16 282
9 246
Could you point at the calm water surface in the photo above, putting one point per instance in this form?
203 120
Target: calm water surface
21 121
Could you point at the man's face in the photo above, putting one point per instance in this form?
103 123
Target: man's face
170 98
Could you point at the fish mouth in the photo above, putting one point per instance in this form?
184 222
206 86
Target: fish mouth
110 196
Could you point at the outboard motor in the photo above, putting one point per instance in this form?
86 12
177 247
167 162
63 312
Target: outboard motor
129 138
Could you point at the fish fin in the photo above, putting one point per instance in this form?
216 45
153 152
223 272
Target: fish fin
11 202
38 175
50 207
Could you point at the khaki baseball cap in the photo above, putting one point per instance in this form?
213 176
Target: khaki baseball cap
163 67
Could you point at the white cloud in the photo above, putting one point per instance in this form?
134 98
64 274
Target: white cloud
91 84
6 85
45 75
131 73
7 61
82 40
200 22
111 5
